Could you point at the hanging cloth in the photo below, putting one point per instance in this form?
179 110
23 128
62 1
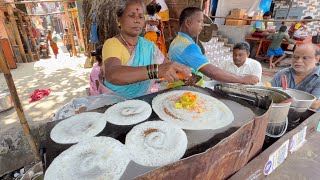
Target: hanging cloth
94 38
94 31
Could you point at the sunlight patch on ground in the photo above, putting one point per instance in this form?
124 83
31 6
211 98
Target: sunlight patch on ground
9 121
65 76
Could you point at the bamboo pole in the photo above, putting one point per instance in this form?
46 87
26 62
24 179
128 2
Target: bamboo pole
290 6
25 37
42 1
80 31
33 40
16 32
262 20
75 28
46 14
79 26
18 106
65 6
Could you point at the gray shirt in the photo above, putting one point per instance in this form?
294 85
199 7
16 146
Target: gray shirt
310 84
277 40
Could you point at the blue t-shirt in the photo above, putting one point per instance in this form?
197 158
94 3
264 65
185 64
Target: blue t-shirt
310 84
258 25
185 51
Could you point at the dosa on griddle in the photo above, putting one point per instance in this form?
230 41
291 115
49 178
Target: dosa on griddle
95 158
128 112
215 114
78 128
156 143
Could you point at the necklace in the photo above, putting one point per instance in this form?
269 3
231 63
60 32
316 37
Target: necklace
130 46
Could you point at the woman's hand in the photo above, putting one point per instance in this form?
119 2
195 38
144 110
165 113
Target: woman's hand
168 71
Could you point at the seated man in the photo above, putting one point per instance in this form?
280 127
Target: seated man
304 73
184 50
261 29
299 26
241 64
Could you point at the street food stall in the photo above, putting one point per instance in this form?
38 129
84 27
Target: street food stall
237 149
189 132
211 151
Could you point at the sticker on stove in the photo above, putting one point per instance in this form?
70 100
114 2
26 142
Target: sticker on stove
298 140
268 168
276 158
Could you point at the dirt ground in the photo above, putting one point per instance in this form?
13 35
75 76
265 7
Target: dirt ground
65 77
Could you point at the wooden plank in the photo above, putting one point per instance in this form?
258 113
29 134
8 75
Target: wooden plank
74 51
8 29
25 37
33 40
16 32
76 24
80 32
252 38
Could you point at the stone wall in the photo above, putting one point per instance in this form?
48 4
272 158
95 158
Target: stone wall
15 151
235 34
312 8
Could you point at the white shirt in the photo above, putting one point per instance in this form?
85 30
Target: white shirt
250 67
162 4
149 27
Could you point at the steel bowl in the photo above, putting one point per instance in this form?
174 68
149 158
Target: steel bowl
280 105
5 100
34 173
301 100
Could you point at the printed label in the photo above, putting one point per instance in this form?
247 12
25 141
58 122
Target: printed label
298 140
276 158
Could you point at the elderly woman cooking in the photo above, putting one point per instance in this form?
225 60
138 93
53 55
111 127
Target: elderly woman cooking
131 63
304 73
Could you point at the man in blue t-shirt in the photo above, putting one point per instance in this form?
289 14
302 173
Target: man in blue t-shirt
184 50
263 29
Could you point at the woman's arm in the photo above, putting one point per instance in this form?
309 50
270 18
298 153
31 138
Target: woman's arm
220 75
118 74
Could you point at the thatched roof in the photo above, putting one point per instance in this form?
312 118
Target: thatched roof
105 16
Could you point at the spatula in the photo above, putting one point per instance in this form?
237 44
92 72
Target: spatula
189 81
